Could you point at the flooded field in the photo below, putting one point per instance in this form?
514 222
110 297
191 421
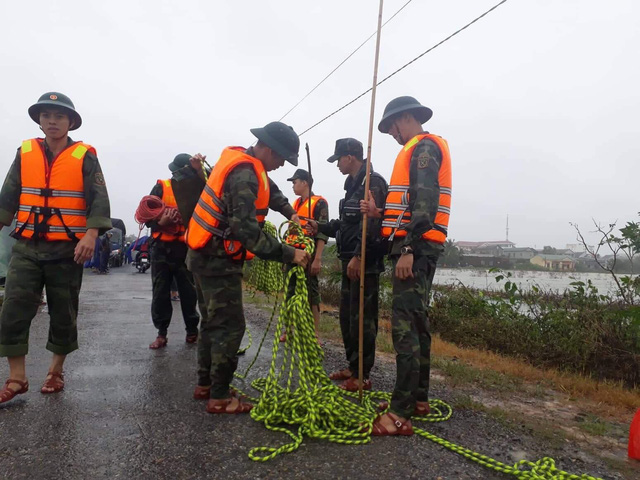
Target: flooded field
557 281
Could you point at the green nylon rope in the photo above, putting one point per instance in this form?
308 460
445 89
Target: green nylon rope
298 398
265 275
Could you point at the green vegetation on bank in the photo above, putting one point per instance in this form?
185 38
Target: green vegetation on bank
579 330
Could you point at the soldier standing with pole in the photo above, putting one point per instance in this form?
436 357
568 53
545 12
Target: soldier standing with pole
415 219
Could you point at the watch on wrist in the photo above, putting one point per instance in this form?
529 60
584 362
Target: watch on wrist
406 250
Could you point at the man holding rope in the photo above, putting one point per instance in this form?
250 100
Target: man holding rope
349 158
168 254
224 231
415 219
310 207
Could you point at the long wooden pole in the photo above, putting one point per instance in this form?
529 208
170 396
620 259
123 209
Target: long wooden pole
363 244
310 182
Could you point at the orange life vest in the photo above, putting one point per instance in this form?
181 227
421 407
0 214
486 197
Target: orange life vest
210 218
396 210
52 204
302 208
170 201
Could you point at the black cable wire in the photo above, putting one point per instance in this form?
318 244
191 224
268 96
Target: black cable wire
342 63
405 65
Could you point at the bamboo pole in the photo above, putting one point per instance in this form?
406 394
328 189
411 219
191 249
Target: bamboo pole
363 244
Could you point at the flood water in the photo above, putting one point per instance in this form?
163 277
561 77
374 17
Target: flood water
556 281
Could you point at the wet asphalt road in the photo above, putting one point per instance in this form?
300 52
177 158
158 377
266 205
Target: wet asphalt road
127 412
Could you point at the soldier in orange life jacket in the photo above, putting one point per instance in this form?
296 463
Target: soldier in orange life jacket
226 229
320 213
168 254
415 219
57 192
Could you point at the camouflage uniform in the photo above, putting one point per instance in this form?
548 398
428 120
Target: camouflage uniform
348 233
409 317
219 278
167 265
38 263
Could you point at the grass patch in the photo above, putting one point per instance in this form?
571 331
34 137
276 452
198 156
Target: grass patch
466 402
620 400
460 373
594 426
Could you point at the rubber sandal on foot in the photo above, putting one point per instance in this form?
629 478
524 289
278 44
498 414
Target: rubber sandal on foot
402 428
54 384
7 394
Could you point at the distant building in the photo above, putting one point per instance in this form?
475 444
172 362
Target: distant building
490 245
484 260
577 247
519 253
563 263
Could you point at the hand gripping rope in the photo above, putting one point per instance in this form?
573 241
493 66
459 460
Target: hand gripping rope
298 398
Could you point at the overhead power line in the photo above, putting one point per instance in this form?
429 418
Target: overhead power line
342 63
406 65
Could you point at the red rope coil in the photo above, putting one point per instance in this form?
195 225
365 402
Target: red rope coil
151 209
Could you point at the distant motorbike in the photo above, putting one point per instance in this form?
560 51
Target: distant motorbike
143 262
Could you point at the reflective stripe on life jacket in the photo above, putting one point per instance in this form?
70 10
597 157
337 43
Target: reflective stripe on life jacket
210 218
52 204
170 201
397 213
302 208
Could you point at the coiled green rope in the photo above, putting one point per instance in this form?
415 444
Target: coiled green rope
266 275
298 398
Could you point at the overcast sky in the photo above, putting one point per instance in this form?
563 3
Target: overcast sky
538 100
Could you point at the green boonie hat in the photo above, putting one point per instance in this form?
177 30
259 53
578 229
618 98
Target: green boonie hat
181 160
400 105
281 138
300 174
55 99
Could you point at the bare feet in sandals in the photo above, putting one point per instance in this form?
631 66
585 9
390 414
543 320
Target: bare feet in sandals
391 424
54 383
230 405
12 388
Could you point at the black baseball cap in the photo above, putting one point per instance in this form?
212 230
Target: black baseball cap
347 146
300 174
181 160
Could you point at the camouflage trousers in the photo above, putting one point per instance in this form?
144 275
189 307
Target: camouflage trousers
166 268
26 278
411 337
221 330
349 320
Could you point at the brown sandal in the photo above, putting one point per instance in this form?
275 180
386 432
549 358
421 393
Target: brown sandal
159 342
422 409
202 392
216 405
352 384
344 374
191 338
56 383
402 428
7 394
